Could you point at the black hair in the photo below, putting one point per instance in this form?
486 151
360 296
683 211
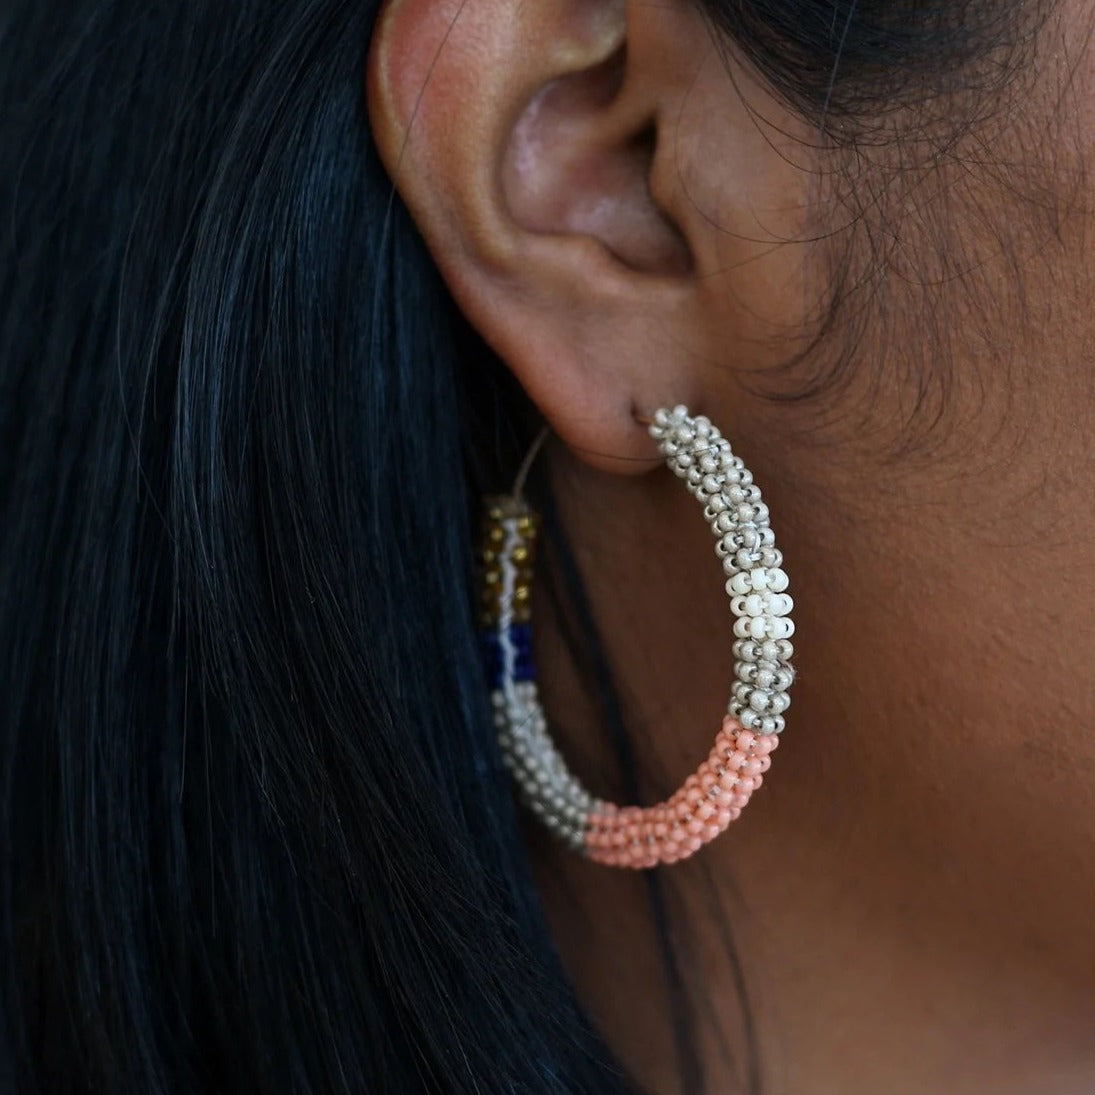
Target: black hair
255 831
847 65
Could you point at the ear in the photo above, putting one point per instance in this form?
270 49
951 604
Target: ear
568 164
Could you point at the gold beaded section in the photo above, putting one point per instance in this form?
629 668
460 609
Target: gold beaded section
508 540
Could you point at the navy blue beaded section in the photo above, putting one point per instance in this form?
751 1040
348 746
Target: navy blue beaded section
524 669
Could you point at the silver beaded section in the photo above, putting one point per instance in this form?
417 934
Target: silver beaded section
544 782
755 581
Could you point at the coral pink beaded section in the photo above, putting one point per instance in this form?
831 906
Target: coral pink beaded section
713 796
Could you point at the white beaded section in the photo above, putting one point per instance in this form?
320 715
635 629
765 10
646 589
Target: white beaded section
755 580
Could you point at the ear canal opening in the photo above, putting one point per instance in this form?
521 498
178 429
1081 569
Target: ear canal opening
610 74
678 260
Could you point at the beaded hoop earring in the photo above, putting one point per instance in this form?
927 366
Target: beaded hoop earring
716 793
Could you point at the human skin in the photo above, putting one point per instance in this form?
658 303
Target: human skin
911 891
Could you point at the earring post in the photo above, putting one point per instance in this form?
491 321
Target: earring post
526 464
